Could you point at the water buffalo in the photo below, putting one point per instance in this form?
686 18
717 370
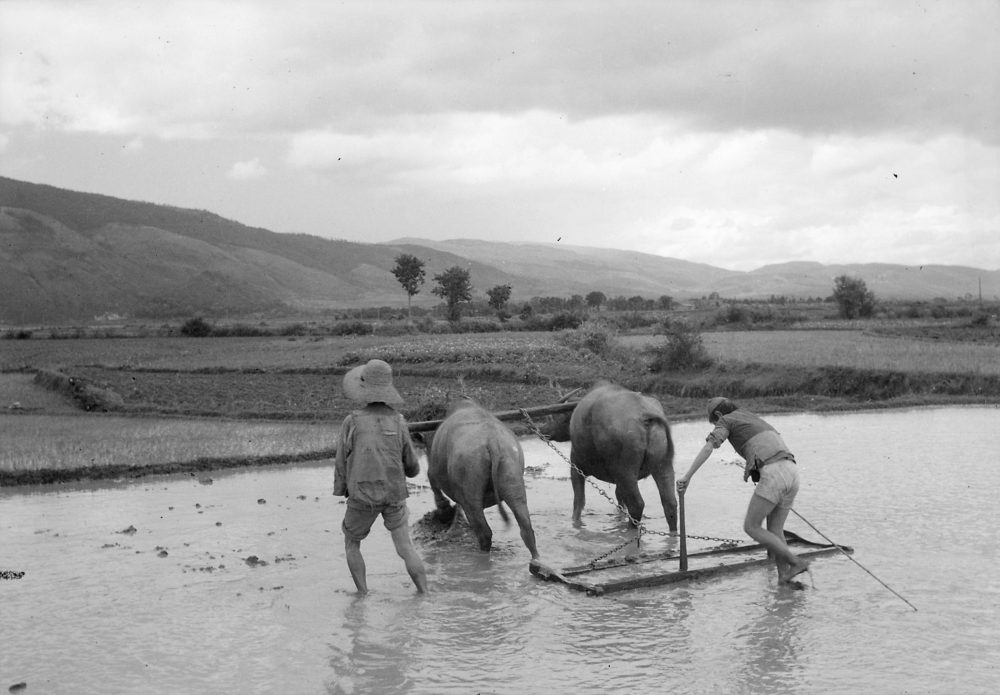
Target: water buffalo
475 460
619 436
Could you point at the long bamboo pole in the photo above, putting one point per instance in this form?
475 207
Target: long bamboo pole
555 408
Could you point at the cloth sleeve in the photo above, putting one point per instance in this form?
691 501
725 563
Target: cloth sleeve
411 460
340 462
718 436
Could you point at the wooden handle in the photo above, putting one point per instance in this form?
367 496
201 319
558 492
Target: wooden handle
684 545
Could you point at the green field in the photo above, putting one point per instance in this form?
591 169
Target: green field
846 348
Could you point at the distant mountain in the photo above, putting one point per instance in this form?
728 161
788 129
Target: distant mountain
580 269
67 256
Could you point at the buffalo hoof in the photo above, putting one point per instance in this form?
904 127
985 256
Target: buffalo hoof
445 515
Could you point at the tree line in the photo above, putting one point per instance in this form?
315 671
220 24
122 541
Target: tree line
454 286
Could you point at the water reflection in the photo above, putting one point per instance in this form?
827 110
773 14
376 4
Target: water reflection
770 645
376 653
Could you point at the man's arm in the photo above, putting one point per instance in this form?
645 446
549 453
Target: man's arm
411 460
702 456
340 462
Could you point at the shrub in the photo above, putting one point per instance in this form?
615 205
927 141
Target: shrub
590 337
733 313
683 349
196 328
564 320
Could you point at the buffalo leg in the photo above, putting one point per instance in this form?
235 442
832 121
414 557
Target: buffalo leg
664 479
579 493
477 521
445 510
491 499
523 518
628 494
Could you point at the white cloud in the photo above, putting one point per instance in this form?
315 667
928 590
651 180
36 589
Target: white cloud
735 133
245 171
200 69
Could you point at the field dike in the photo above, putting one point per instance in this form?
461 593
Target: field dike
314 394
86 395
859 386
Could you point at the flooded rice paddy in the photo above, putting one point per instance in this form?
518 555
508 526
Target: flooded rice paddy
235 582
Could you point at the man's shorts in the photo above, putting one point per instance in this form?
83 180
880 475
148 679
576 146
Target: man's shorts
779 483
358 520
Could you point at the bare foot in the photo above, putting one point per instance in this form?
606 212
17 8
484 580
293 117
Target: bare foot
794 571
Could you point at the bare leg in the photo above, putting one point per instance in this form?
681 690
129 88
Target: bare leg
356 564
757 511
776 525
414 565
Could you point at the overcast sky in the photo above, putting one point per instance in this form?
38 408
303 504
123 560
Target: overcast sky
737 133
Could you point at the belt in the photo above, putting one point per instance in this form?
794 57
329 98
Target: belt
761 464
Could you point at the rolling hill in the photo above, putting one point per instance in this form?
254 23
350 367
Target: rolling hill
67 256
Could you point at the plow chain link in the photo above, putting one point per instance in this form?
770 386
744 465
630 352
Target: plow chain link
640 527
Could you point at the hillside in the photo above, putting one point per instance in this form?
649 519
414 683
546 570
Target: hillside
67 256
580 269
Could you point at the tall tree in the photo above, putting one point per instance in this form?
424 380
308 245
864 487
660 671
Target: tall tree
595 299
853 297
454 287
498 298
409 270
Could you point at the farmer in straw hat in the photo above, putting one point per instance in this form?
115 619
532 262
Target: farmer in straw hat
770 464
374 454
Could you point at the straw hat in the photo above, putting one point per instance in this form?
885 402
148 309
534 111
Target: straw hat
372 383
714 404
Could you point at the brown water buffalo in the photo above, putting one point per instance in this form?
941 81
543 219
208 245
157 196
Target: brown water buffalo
619 436
475 460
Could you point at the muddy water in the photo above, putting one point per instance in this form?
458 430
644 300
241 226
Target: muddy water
236 583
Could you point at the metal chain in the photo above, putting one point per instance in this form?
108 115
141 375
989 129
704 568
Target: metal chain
640 527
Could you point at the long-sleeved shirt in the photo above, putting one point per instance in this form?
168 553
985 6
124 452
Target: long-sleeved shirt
375 455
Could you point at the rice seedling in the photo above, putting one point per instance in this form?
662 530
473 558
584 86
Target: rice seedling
53 442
